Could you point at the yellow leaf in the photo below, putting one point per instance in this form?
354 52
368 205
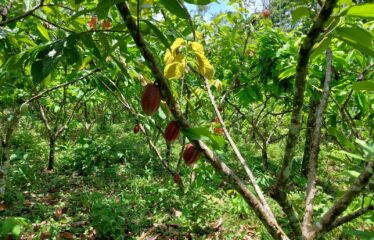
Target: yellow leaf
168 58
176 44
197 47
204 66
174 70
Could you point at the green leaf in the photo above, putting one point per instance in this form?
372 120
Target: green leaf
199 2
201 132
91 45
357 37
290 71
363 86
175 8
298 13
361 234
352 155
320 47
43 31
158 33
363 11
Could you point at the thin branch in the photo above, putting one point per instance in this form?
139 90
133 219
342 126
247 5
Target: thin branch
41 94
53 24
342 220
22 16
189 20
234 147
76 107
328 219
314 151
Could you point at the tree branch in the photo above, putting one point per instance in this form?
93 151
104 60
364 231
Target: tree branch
39 95
24 15
314 150
235 148
342 220
328 219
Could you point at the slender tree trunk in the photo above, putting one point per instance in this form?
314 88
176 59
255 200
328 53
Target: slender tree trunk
309 135
5 145
52 148
264 151
4 168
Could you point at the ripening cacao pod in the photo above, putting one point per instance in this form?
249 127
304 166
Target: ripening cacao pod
105 24
190 154
177 179
151 99
136 128
93 22
172 131
265 13
218 130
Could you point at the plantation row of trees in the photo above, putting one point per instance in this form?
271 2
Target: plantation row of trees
291 81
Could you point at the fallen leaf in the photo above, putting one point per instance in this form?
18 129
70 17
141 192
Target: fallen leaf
66 235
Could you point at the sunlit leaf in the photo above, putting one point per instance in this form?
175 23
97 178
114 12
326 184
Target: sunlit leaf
363 11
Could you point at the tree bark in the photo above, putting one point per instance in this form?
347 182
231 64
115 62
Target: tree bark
52 150
5 144
309 135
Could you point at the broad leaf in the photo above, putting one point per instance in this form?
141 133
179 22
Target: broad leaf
298 13
363 11
158 33
357 37
175 8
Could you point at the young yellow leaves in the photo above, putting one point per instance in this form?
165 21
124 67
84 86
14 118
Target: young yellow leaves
175 62
203 64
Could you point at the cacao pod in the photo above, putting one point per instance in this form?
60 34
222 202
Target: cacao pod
265 13
136 128
172 131
93 22
151 99
190 154
218 130
237 82
105 24
177 179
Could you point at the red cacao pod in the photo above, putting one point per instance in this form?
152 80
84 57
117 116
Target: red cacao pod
218 130
105 24
136 128
93 22
265 13
190 154
177 179
237 82
151 99
172 131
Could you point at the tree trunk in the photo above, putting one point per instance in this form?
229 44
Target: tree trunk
5 145
309 135
264 151
52 147
4 168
